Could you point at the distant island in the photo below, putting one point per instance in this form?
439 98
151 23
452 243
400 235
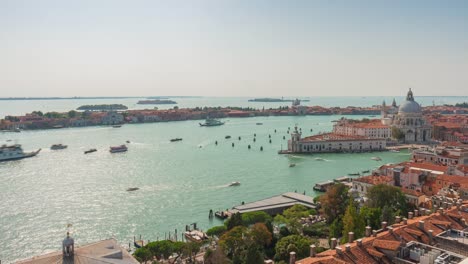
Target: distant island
157 101
274 100
102 107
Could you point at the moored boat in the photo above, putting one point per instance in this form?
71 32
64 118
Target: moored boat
58 146
365 171
354 174
211 122
376 158
195 236
117 149
322 187
116 126
15 152
395 150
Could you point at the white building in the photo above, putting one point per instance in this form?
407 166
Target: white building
409 121
373 128
331 142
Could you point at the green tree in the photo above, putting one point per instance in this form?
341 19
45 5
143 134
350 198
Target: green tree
191 249
371 216
72 114
296 243
352 222
385 195
233 221
234 241
291 218
388 215
260 234
254 256
336 228
334 202
216 256
164 248
216 231
142 254
38 113
319 229
251 218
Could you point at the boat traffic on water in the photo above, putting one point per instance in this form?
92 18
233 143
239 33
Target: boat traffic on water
90 151
58 146
376 158
236 183
211 122
14 152
176 139
117 149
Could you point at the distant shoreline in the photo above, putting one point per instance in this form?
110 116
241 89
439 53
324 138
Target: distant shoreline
92 98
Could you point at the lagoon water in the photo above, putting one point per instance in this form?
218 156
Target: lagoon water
179 181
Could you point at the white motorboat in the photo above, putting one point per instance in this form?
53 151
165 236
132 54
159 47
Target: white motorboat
14 152
236 183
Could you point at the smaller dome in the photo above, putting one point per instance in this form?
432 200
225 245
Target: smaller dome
409 107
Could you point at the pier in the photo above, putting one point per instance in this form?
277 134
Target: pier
276 204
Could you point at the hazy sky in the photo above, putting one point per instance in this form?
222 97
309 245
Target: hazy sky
233 48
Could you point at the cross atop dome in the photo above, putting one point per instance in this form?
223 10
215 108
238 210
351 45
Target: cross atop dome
409 96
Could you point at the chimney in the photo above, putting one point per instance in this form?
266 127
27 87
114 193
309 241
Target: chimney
333 243
350 237
359 242
435 207
348 248
390 229
384 225
428 212
416 213
374 233
421 225
397 219
410 215
368 231
338 250
312 251
431 237
463 220
442 211
292 257
405 221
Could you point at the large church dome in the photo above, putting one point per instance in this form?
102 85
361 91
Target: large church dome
409 106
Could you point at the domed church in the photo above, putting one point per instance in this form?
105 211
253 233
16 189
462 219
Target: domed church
409 120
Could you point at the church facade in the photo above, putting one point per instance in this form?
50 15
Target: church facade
409 120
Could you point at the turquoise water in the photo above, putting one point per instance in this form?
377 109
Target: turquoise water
179 182
22 107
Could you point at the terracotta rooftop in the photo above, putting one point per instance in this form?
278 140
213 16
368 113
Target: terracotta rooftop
374 180
370 249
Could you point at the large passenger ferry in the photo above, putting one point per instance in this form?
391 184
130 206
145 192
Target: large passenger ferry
14 152
211 122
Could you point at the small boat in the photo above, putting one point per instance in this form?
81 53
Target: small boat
176 139
395 150
259 124
116 126
133 189
90 151
121 148
227 137
354 174
319 159
221 215
236 183
292 165
366 171
58 146
376 158
322 187
195 236
211 122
